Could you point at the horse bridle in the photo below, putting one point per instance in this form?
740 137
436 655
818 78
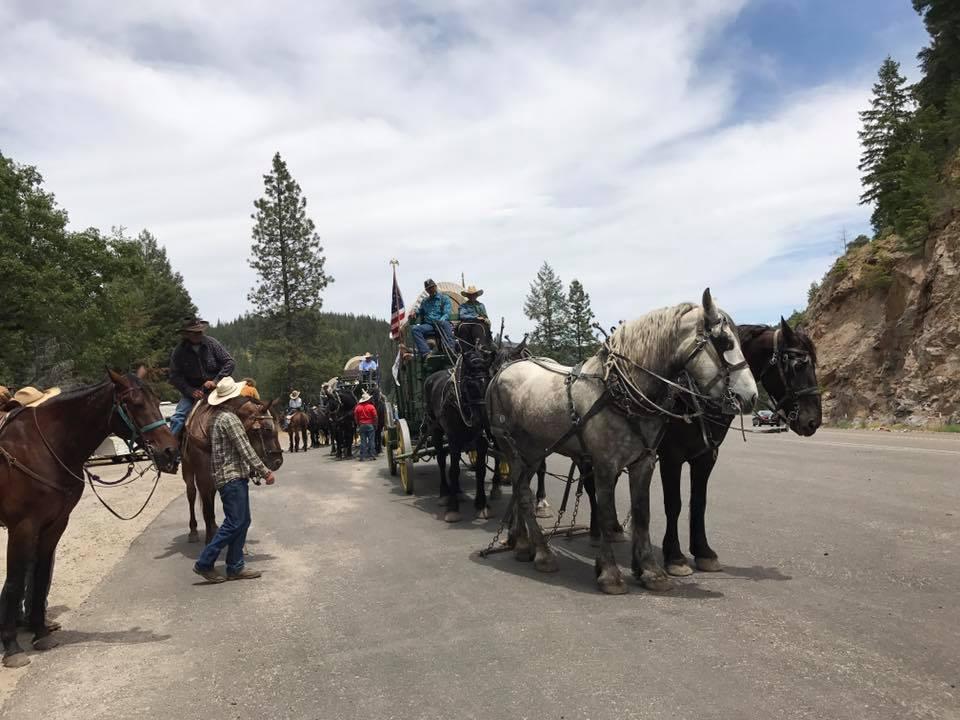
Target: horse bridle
136 434
785 360
707 341
258 425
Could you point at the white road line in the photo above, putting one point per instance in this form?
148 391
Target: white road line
895 448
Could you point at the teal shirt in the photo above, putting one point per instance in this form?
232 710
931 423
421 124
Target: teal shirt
435 309
473 310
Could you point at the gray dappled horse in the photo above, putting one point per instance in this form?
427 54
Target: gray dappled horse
610 413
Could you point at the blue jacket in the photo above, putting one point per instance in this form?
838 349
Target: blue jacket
435 309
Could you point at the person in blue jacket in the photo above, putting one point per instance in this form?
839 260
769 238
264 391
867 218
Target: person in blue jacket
433 317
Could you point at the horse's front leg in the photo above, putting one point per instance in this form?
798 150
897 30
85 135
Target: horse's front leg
673 557
21 548
436 437
646 565
480 472
42 577
609 578
453 481
704 556
543 507
188 479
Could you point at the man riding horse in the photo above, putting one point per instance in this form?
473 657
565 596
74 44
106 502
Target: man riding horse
197 364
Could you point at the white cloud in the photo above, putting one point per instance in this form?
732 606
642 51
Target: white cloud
458 137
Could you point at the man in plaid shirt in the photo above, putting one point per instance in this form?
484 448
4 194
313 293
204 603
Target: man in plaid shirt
232 462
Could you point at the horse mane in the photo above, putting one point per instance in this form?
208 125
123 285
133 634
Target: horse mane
749 333
651 339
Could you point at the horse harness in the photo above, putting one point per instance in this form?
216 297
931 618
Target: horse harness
786 360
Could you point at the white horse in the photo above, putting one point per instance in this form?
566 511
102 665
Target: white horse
610 415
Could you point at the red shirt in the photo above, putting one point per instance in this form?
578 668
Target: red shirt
365 414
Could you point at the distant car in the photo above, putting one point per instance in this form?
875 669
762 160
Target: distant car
766 417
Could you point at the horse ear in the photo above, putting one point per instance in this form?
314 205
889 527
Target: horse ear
788 335
116 377
709 308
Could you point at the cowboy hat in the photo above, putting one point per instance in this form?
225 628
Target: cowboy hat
472 290
367 356
29 396
365 397
226 389
429 283
194 324
295 394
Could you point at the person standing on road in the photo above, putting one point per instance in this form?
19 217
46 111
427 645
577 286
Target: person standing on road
365 413
197 364
232 462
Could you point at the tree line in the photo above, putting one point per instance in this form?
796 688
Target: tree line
911 134
563 319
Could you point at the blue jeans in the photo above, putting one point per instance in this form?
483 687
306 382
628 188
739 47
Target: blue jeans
367 449
232 534
184 406
421 332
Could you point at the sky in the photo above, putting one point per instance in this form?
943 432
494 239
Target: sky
648 149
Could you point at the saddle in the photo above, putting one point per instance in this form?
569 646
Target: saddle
8 413
196 431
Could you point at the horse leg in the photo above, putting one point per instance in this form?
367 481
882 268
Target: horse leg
646 565
436 437
21 547
207 493
303 433
543 558
480 472
453 482
673 556
609 578
290 435
189 478
42 577
704 556
543 507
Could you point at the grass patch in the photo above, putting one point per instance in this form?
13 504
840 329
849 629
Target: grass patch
948 428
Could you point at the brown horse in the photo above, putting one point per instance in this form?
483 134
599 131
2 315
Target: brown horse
261 429
298 427
42 452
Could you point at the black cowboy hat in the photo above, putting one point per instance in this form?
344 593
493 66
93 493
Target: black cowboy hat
428 283
194 324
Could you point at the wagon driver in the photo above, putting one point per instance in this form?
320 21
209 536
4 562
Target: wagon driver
197 364
433 316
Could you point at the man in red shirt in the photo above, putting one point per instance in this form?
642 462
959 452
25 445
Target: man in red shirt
365 413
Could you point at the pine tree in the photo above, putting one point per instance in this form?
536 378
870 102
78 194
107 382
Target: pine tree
884 137
913 200
287 255
940 61
580 322
546 305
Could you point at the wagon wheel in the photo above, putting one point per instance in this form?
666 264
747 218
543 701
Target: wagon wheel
404 445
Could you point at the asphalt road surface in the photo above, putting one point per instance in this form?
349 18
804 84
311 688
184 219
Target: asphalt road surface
839 599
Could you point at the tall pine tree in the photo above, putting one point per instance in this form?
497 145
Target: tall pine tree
546 305
288 258
583 337
885 137
940 60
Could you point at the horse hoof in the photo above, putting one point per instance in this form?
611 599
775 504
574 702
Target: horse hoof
656 583
193 537
679 570
618 537
47 642
17 660
544 512
612 586
452 516
595 541
483 513
495 492
708 565
442 500
523 554
546 562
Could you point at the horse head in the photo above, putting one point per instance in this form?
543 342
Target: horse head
711 355
790 377
262 431
136 416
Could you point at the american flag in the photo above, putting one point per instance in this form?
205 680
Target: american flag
397 312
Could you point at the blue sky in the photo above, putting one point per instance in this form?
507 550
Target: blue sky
647 148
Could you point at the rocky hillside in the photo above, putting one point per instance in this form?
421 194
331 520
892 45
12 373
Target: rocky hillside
887 328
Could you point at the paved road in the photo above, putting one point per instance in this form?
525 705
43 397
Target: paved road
839 600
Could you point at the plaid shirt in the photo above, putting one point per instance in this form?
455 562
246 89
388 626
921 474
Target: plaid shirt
232 456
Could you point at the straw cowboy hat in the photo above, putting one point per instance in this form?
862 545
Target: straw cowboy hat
195 324
472 291
295 394
365 397
367 356
226 389
29 396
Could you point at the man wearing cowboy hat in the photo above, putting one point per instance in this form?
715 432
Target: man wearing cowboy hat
197 364
294 405
473 310
433 316
232 462
368 369
365 413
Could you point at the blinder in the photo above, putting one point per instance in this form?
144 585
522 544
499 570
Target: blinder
789 362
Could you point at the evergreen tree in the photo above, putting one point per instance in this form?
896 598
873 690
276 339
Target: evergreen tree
884 138
546 305
287 255
580 322
940 60
913 201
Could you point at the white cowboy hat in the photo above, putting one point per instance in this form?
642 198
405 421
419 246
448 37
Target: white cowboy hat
29 396
472 290
367 356
365 397
226 389
295 394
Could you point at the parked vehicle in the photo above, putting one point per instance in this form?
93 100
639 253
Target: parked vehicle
766 417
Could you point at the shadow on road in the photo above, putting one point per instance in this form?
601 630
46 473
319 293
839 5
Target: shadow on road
191 551
755 572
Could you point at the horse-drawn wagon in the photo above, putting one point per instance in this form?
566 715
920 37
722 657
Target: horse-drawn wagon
404 433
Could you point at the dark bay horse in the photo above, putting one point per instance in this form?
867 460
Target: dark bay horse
319 426
262 432
42 452
342 404
784 361
298 427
